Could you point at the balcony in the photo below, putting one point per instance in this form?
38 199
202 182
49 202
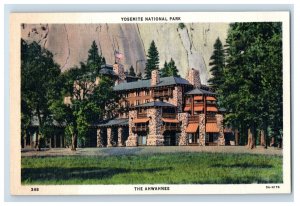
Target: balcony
211 119
142 115
169 115
139 128
171 127
168 93
194 118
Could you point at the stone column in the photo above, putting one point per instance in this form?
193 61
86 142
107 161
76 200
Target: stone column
183 138
109 137
202 129
99 138
221 138
132 138
177 98
155 138
120 136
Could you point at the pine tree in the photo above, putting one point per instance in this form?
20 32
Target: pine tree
94 60
217 61
139 75
252 88
152 60
169 69
131 71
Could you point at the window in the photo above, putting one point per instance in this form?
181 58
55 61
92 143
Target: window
147 100
147 92
137 102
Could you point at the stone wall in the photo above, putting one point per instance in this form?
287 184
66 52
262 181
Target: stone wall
132 138
119 70
177 98
120 137
109 137
221 138
99 137
183 138
154 77
201 129
155 137
194 78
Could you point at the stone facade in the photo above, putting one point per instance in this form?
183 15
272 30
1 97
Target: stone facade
221 138
119 70
132 138
120 137
154 77
99 138
109 137
155 138
177 98
194 78
201 129
183 138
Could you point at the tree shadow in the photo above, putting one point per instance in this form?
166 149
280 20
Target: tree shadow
79 173
242 165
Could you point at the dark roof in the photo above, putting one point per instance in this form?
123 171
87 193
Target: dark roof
107 71
35 122
156 104
165 81
112 122
199 91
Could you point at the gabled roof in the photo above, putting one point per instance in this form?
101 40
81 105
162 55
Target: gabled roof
156 104
199 91
165 81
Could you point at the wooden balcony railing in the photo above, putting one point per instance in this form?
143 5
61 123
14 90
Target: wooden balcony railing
171 127
211 119
169 115
139 128
162 93
194 118
142 115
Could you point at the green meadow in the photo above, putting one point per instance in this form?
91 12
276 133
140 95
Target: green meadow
179 168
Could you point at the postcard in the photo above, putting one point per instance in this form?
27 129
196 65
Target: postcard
150 103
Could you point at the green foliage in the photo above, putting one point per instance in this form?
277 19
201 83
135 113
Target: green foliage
94 60
181 25
39 85
169 69
131 71
217 61
175 168
92 99
139 75
251 89
152 60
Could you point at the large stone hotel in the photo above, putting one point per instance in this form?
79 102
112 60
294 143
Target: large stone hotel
165 111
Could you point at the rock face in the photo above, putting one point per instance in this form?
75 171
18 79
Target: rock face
190 46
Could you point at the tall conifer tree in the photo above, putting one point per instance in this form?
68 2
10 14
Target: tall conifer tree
152 60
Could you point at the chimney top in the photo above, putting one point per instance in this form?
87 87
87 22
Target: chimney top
154 77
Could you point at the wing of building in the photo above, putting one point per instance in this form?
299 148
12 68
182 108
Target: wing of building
159 111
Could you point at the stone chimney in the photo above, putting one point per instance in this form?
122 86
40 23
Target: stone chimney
154 77
119 70
194 78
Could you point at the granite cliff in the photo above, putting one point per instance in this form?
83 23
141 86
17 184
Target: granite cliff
190 46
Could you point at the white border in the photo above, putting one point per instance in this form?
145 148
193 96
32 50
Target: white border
18 18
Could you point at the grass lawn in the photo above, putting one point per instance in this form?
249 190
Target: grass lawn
179 168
